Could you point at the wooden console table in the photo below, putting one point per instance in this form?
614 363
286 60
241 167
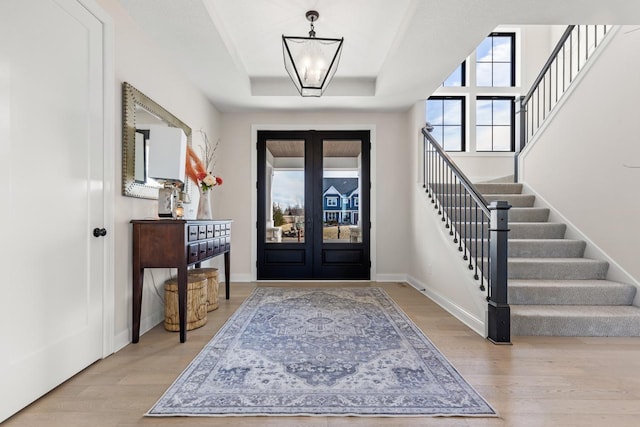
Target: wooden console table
179 244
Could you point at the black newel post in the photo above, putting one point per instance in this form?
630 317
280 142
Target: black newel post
499 321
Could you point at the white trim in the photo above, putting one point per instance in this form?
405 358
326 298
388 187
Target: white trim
475 324
149 322
397 277
108 124
240 277
254 178
122 340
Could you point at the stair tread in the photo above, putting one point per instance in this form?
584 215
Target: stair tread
577 283
549 241
535 223
593 311
558 260
546 241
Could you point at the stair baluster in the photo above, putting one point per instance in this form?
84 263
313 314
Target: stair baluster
466 221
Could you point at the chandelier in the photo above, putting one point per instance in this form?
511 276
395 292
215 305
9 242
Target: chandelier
311 61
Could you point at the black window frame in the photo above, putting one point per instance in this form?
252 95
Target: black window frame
512 36
463 75
463 127
512 123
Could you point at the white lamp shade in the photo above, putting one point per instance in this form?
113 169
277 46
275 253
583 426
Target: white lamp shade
167 153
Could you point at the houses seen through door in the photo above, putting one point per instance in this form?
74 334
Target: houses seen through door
313 205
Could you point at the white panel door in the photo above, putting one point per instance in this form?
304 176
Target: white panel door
51 196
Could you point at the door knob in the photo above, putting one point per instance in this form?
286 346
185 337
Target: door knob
98 232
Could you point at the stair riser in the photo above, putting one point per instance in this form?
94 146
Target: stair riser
516 200
528 215
552 248
506 188
515 214
482 188
517 230
575 327
570 296
596 270
545 230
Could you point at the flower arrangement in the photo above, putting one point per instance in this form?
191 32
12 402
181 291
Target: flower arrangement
197 167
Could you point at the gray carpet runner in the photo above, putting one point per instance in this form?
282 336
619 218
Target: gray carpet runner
553 289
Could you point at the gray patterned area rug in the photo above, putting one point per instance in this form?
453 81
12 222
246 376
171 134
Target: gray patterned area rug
337 351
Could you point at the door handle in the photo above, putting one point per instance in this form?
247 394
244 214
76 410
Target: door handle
99 232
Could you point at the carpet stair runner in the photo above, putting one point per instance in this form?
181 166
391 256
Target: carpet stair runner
553 289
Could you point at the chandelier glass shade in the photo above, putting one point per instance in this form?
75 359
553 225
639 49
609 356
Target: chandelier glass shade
311 61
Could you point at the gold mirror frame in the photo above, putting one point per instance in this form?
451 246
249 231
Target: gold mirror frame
132 98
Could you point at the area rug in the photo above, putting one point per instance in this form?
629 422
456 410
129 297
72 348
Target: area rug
337 351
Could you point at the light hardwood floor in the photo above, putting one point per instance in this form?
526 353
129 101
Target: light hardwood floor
537 381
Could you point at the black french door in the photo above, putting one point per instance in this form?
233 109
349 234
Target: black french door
313 205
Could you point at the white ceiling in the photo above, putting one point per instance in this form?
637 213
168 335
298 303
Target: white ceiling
396 52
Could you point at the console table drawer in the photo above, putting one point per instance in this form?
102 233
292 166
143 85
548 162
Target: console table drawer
193 233
194 253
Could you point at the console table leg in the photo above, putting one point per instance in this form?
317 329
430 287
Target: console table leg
138 275
227 272
182 302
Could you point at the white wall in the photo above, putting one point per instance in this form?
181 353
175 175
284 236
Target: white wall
390 179
141 63
578 162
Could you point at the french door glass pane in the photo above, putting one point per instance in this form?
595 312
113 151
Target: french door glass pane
284 191
341 173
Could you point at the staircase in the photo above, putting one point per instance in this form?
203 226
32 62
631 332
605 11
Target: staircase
553 289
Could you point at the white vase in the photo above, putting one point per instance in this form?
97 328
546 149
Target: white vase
204 205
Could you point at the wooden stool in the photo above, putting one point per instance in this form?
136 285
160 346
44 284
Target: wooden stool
212 285
196 303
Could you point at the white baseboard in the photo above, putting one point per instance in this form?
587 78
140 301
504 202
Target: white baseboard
122 340
397 277
475 324
241 277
